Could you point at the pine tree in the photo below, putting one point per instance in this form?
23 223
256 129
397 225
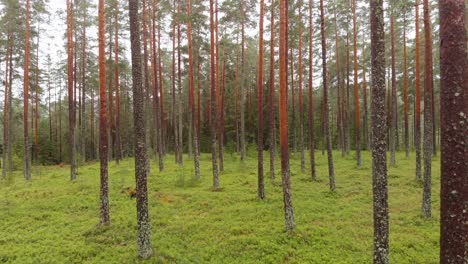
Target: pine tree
327 130
285 172
141 158
103 142
379 146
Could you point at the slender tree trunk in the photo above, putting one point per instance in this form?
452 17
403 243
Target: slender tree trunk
6 111
417 136
338 82
179 84
193 115
347 107
10 114
146 85
27 159
213 117
405 90
103 147
221 119
161 98
393 102
157 95
428 113
36 107
293 102
272 108
379 146
71 94
301 101
118 147
261 184
454 166
144 229
366 112
356 92
174 94
83 92
285 172
331 171
243 81
311 96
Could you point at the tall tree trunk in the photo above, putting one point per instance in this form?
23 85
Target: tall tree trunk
103 147
71 94
243 81
293 102
331 171
118 147
161 97
311 96
179 84
428 113
285 171
36 107
417 136
272 108
27 159
393 102
347 107
174 94
141 158
157 94
146 85
366 112
339 95
379 146
301 101
193 115
83 92
453 108
405 90
261 184
6 111
356 92
213 117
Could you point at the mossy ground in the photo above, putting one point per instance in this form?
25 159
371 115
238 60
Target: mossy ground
53 220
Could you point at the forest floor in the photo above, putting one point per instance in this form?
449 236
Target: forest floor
52 220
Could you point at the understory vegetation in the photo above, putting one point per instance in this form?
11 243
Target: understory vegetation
50 219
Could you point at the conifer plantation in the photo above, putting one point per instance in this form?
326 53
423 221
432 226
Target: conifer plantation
233 131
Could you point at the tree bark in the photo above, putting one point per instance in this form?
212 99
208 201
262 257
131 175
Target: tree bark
428 113
141 159
285 172
6 111
213 117
242 90
103 141
454 153
192 94
405 90
71 94
417 135
27 159
311 96
331 170
261 183
393 101
272 108
118 147
379 146
356 92
301 101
